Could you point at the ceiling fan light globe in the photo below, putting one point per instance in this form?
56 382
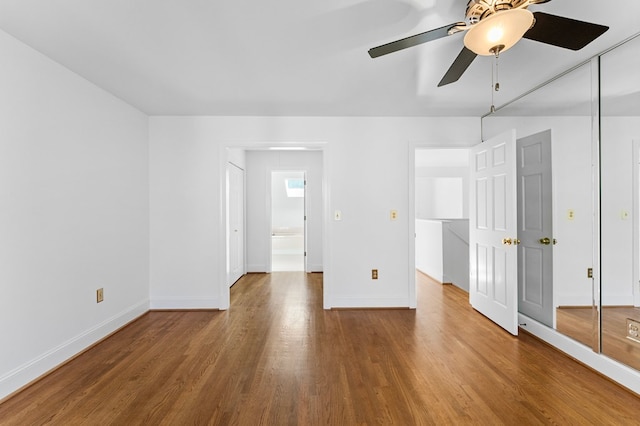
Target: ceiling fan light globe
495 34
504 28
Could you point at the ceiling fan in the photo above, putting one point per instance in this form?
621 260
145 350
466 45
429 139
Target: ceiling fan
494 26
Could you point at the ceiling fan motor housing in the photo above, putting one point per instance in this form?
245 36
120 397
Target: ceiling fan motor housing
478 10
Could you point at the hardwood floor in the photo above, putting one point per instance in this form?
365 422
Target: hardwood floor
277 358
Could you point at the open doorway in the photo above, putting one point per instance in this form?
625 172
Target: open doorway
442 214
259 162
287 220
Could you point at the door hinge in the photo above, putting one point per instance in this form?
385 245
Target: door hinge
589 272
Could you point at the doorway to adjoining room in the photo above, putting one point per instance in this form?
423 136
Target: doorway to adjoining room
442 215
287 221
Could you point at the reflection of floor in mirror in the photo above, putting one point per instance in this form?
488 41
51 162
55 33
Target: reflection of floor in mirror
575 322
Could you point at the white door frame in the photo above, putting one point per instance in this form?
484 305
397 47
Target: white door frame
411 208
223 159
270 209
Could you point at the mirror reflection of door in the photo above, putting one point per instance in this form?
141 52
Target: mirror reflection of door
535 230
287 221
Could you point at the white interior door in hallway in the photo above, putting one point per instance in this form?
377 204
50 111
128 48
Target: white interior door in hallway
235 223
493 238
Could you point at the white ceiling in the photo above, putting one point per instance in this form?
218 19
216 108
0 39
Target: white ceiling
291 57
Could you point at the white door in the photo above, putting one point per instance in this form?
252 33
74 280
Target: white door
493 287
305 264
235 218
535 228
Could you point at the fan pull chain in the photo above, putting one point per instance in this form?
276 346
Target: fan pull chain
495 84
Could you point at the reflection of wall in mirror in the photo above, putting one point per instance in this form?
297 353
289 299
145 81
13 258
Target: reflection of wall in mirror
617 199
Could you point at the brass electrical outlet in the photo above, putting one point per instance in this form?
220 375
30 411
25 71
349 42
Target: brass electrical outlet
374 274
633 330
99 295
393 215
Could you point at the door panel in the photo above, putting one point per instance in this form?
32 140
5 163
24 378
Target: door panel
492 237
535 255
500 283
481 208
530 267
499 203
235 219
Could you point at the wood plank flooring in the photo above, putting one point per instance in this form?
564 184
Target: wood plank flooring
277 358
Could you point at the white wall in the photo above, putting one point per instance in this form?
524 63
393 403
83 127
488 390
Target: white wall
259 167
442 184
73 214
617 197
429 249
287 213
185 216
572 190
366 164
455 252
